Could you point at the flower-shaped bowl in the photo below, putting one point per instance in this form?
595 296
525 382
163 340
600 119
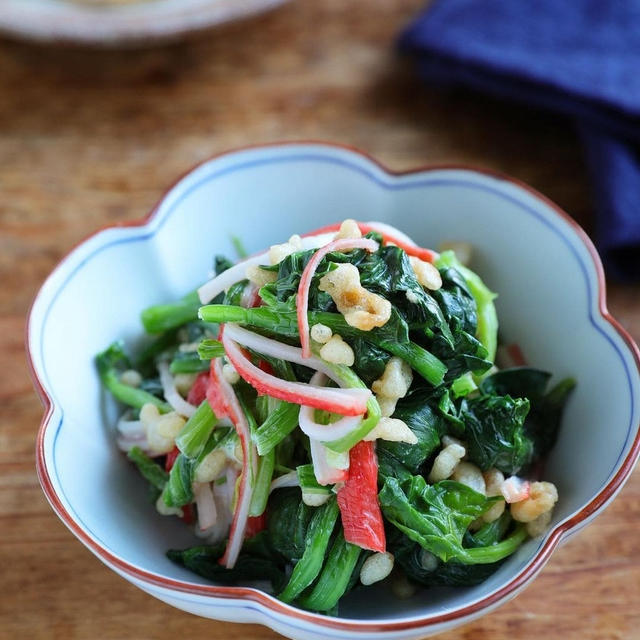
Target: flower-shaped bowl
551 302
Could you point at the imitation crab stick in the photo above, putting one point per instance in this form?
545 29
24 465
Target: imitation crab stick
198 391
249 464
325 470
349 402
358 500
389 236
302 303
209 290
177 402
325 432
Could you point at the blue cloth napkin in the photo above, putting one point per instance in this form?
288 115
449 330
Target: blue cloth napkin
580 58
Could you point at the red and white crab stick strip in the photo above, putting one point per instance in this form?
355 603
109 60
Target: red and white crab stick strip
350 402
302 301
389 235
209 290
173 397
510 355
325 472
249 466
325 432
275 349
358 500
389 231
287 480
205 502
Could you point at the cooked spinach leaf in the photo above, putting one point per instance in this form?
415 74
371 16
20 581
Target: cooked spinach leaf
234 293
287 522
150 470
370 360
543 420
335 577
418 412
209 349
422 567
436 516
456 301
163 317
466 354
153 386
189 362
179 490
490 533
276 427
518 382
388 272
221 263
256 561
494 432
487 329
145 362
110 364
317 539
410 556
196 432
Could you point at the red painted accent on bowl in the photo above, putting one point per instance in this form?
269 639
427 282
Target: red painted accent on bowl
271 603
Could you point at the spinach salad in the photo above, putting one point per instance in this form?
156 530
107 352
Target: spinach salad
329 413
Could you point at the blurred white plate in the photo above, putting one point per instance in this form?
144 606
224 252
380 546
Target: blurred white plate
114 24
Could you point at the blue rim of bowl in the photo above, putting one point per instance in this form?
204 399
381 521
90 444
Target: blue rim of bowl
269 603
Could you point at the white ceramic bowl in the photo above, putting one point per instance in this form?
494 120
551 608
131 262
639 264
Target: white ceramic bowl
141 22
552 302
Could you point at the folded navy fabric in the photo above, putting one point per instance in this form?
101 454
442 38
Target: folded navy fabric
615 176
580 58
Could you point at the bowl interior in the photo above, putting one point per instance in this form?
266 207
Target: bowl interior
548 303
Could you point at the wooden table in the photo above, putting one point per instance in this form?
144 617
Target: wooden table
89 138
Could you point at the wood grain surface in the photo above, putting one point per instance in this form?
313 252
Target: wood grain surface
89 138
